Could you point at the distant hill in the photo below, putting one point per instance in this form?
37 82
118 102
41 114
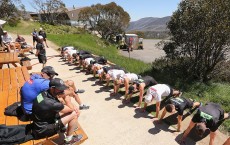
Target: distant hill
152 27
149 24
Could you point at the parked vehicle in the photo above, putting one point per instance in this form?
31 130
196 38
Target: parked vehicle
129 42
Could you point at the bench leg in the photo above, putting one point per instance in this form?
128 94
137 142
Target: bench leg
14 64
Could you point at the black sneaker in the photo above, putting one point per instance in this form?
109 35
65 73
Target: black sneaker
21 55
75 138
84 107
79 91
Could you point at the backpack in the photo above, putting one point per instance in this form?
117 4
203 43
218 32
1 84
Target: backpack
15 109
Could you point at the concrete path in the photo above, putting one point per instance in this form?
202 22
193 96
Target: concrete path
108 121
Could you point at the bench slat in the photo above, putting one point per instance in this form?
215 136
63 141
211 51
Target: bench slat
12 98
1 79
20 77
13 78
6 79
3 104
25 73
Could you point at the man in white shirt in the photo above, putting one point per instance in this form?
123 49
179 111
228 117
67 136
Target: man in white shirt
8 41
157 92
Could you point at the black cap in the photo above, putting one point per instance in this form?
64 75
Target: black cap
105 69
131 89
58 84
49 70
200 129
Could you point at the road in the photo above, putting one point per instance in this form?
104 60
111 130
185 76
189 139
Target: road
149 54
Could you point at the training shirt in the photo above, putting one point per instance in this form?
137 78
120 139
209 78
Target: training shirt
87 60
45 111
30 90
211 114
181 104
131 76
159 90
67 48
115 74
40 46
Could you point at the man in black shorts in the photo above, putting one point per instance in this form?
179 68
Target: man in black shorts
179 104
50 116
140 85
41 51
210 116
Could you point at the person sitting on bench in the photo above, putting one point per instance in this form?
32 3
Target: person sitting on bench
40 82
23 45
8 41
50 116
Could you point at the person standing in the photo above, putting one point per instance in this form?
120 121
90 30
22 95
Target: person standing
43 34
35 37
41 51
1 33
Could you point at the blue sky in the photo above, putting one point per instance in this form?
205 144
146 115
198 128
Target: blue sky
136 8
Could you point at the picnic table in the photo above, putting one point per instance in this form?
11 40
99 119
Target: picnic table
8 58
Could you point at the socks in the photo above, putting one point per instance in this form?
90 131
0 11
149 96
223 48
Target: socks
68 138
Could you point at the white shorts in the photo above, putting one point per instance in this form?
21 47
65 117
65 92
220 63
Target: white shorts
87 60
148 99
100 71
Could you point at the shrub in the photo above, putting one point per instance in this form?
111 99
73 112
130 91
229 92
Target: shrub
13 22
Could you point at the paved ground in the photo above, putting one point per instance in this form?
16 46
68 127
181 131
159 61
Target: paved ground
149 54
108 121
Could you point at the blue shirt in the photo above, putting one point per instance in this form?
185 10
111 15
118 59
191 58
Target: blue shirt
31 89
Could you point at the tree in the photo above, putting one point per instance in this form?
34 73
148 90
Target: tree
200 33
7 9
108 20
49 9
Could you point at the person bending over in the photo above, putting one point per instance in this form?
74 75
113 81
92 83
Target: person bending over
157 92
140 85
179 104
50 116
210 116
125 79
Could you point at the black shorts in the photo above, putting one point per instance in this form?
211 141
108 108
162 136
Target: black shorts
42 59
35 40
48 130
171 90
189 103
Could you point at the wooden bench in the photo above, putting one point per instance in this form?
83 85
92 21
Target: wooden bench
11 80
27 64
